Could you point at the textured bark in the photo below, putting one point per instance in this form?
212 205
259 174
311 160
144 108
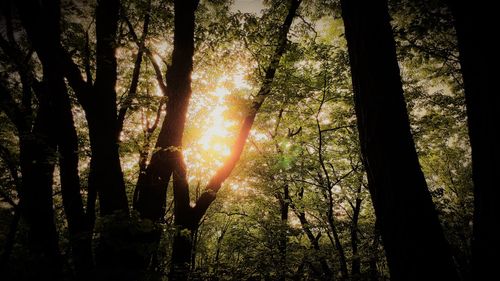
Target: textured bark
415 246
474 24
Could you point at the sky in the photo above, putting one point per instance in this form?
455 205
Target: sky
248 6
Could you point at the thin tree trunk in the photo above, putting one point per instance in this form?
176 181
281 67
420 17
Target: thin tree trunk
356 259
132 91
413 239
326 273
479 71
283 231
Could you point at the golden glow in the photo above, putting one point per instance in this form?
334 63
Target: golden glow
235 186
221 92
217 129
211 132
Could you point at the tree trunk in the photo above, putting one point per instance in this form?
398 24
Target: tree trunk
374 275
356 259
326 272
187 217
413 239
37 154
37 159
67 140
283 231
114 257
338 245
36 19
479 71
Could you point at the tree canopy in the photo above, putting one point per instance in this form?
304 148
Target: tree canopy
246 140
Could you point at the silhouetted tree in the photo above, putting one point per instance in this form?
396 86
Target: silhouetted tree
474 25
415 246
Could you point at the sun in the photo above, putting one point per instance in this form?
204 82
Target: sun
217 130
213 130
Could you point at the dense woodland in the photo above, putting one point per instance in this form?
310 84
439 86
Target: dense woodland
248 140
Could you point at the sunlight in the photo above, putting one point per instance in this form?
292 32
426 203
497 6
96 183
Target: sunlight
239 79
235 186
210 137
218 128
221 92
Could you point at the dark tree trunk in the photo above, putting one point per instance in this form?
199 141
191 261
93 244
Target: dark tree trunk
106 174
37 159
152 185
132 91
36 19
67 140
336 238
474 25
115 259
37 154
326 273
413 239
283 231
374 275
356 259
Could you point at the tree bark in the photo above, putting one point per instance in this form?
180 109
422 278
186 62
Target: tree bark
479 71
414 242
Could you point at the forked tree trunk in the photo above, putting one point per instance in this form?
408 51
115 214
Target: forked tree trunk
187 218
414 242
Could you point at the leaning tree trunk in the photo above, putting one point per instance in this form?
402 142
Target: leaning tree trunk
187 218
414 242
481 97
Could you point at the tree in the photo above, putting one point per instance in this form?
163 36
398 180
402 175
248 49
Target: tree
99 103
413 239
478 73
187 218
181 87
